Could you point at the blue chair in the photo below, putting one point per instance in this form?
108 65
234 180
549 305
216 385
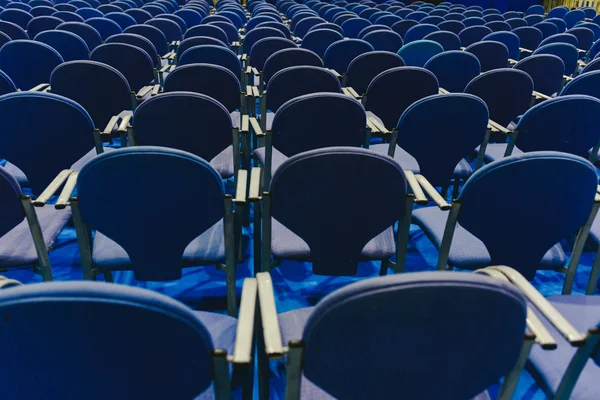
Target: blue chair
321 336
40 11
339 54
506 91
16 16
567 53
70 46
417 15
510 40
418 32
108 8
491 54
138 41
448 40
67 7
473 21
199 43
293 82
140 16
376 15
586 84
493 18
452 26
234 19
328 25
498 26
252 22
558 12
269 24
529 37
124 5
174 18
131 61
384 40
336 120
353 26
373 28
289 58
590 25
547 28
68 16
388 20
170 29
454 69
367 66
101 89
264 48
28 63
257 34
191 17
593 65
153 34
545 70
402 13
19 6
472 14
585 37
512 14
573 17
6 84
403 26
153 9
561 38
215 18
473 34
419 145
433 20
41 24
533 19
168 119
232 33
122 19
489 11
13 31
417 53
88 12
560 24
105 27
207 30
394 90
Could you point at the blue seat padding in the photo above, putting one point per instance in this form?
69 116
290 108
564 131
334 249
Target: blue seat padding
583 312
206 249
467 251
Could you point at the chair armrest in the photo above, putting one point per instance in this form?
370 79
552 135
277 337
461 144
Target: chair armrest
6 283
40 88
337 74
254 190
155 90
65 195
349 91
544 306
524 50
244 128
268 314
420 197
581 51
377 125
242 187
124 123
168 55
53 187
144 91
512 62
542 96
443 91
255 92
242 352
496 127
113 121
256 127
568 78
164 69
432 193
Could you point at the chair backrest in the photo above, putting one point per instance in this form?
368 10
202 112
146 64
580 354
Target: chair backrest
472 310
474 21
549 183
529 37
452 26
561 38
418 32
68 16
207 30
558 12
68 45
403 26
88 12
277 25
174 18
171 120
328 25
491 54
257 34
517 23
303 27
191 17
297 199
108 8
448 40
545 70
509 39
151 33
336 120
122 19
367 66
139 15
392 91
593 65
591 25
43 134
6 84
417 53
212 54
533 19
101 89
319 40
289 58
353 26
131 61
138 41
41 24
297 81
212 80
105 27
588 84
197 41
90 35
10 194
535 10
547 28
573 17
384 40
28 63
339 54
473 34
170 29
266 47
16 16
464 119
233 18
585 37
493 18
454 69
567 53
389 20
13 31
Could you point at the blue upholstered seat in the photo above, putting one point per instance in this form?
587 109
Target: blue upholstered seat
417 53
320 39
131 61
454 69
473 34
365 67
28 63
340 54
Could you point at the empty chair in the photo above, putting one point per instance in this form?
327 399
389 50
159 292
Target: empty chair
491 54
590 25
101 89
138 41
545 70
319 40
389 20
104 26
233 18
131 61
207 30
170 29
467 302
394 90
473 34
231 32
567 53
418 32
454 69
6 84
153 9
90 36
252 22
593 65
328 25
70 46
452 26
558 12
257 34
41 24
533 19
195 41
191 17
28 63
573 17
367 66
561 38
473 21
88 12
585 37
403 26
517 23
384 40
109 8
140 16
498 26
509 39
560 24
264 48
416 15
174 18
153 34
124 20
13 31
511 14
16 16
448 40
353 26
529 37
432 19
493 18
588 84
507 93
68 16
339 54
474 237
417 53
289 58
547 28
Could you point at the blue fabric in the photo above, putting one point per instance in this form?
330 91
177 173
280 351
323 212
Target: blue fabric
43 10
587 84
583 312
328 25
593 65
43 23
153 34
560 24
170 29
517 23
449 41
493 18
529 36
131 61
104 26
230 30
433 19
417 53
88 12
452 26
100 89
122 19
384 40
417 15
212 80
289 58
233 17
198 50
68 16
16 16
585 37
6 84
402 27
319 40
547 28
509 39
277 25
139 15
138 41
367 66
567 52
252 22
266 47
473 34
10 202
339 54
191 17
533 19
207 30
561 38
491 54
69 45
593 26
454 69
304 26
573 17
418 32
389 20
90 36
174 18
353 26
114 311
257 34
28 63
473 21
340 170
558 12
498 26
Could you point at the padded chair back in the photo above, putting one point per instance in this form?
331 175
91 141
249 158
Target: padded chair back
207 30
567 53
134 172
452 26
191 17
10 195
509 39
88 12
384 40
210 54
28 63
212 80
289 58
131 61
109 8
197 41
545 70
41 24
517 23
593 65
14 31
174 18
498 26
68 16
90 35
392 91
353 26
573 17
68 311
6 84
556 194
42 134
464 119
266 47
588 84
233 18
558 12
101 89
547 28
454 69
372 28
417 53
339 54
318 41
367 66
304 25
473 21
585 37
433 20
171 120
257 34
473 34
16 16
402 27
448 40
105 27
122 19
491 54
68 45
340 170
328 25
140 16
229 29
389 20
138 41
277 25
418 32
473 310
529 37
170 29
296 81
153 34
561 38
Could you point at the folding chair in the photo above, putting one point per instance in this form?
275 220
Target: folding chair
201 348
90 36
29 63
454 69
546 71
585 37
327 346
367 66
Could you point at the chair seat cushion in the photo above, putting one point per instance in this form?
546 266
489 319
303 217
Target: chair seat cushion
79 164
221 328
287 245
206 249
17 174
467 251
235 119
495 151
583 312
277 158
17 248
223 163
